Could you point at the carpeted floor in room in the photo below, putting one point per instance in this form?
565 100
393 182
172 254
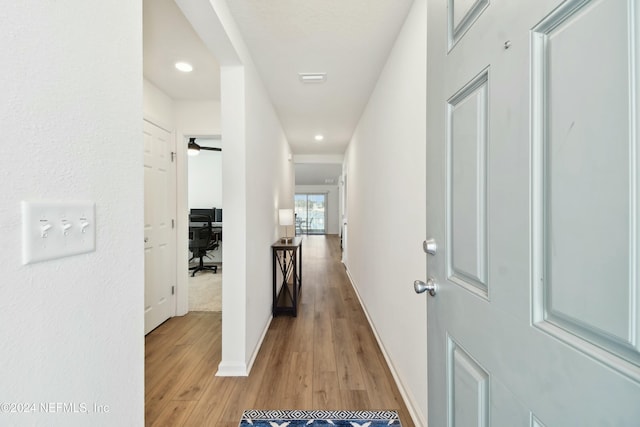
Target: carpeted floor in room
205 291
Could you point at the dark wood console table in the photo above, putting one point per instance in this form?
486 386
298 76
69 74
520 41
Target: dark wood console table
287 276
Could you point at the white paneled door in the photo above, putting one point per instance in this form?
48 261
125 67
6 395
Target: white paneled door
159 225
533 204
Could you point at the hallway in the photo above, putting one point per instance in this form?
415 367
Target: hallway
326 358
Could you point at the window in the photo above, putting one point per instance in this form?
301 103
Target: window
311 213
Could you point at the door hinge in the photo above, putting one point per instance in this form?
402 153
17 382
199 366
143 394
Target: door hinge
173 156
173 290
173 223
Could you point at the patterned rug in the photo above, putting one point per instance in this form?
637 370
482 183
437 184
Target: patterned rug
257 418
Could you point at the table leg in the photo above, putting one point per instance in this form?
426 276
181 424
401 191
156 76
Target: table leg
294 258
273 258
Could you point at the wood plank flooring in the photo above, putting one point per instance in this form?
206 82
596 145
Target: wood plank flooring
326 358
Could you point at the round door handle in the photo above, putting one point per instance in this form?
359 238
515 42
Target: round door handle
419 286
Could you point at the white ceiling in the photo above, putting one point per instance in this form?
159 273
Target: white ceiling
169 38
349 40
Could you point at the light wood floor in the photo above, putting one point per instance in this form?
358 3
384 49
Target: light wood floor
326 358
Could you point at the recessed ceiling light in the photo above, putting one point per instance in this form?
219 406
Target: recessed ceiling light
184 67
319 137
312 77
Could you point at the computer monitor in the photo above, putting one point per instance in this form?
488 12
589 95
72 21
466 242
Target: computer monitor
202 212
218 215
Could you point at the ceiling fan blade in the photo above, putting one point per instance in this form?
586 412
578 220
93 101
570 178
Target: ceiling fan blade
210 148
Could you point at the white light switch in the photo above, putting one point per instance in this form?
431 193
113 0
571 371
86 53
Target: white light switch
56 229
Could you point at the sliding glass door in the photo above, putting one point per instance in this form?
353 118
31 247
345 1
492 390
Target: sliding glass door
311 213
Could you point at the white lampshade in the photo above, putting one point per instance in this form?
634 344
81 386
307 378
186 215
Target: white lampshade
285 216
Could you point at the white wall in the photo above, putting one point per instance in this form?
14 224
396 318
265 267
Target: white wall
157 106
270 186
385 164
73 329
205 177
333 203
197 118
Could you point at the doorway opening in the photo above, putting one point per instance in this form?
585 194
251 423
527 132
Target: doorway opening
204 172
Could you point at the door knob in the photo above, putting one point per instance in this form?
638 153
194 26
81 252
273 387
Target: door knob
430 246
419 286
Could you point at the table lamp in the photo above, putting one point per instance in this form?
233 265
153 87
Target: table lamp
285 218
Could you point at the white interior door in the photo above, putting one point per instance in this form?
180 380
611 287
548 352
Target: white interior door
159 226
533 194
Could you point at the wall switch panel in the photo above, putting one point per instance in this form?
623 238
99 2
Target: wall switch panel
56 229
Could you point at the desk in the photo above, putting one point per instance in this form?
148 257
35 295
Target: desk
285 299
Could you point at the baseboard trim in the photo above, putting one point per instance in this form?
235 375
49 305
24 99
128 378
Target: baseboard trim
256 350
406 396
239 369
232 369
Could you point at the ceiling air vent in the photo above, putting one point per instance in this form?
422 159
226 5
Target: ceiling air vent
312 77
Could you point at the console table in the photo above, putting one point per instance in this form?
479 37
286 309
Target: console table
287 276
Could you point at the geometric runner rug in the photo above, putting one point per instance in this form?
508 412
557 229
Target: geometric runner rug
257 418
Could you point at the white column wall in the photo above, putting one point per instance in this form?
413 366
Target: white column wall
234 180
270 186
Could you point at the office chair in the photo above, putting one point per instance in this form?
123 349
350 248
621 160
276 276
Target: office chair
201 240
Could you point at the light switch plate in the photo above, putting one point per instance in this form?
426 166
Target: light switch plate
56 229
